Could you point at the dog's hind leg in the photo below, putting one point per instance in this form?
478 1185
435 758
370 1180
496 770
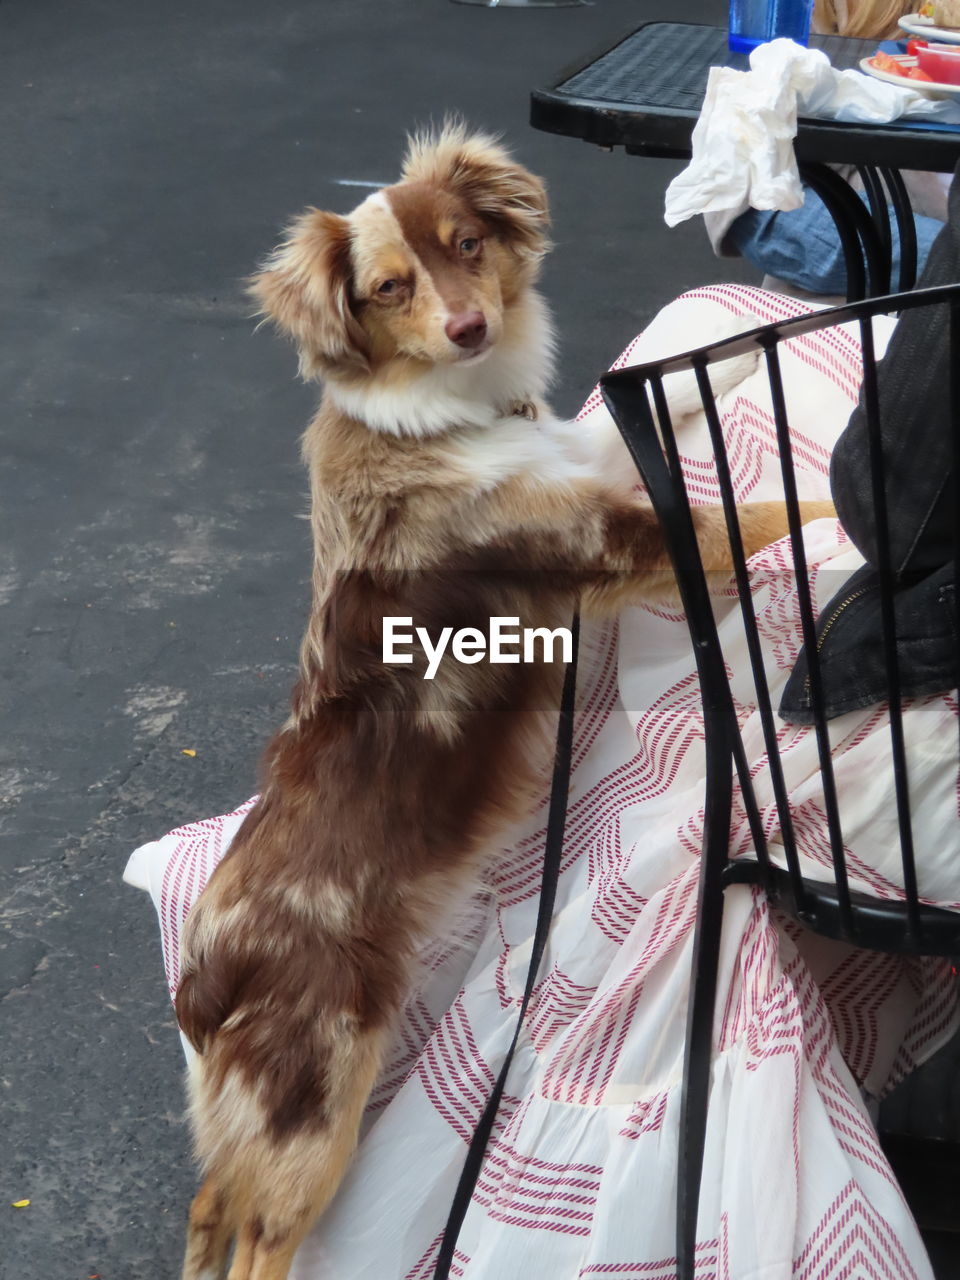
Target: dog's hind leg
243 1255
208 1234
293 1179
267 1258
286 1211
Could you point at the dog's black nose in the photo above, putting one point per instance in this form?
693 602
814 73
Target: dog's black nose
467 329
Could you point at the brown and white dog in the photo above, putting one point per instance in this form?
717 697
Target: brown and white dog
443 490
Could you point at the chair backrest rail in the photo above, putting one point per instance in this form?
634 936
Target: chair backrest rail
796 327
878 484
809 632
764 703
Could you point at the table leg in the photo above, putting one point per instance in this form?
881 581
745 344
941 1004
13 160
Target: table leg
862 248
877 198
906 227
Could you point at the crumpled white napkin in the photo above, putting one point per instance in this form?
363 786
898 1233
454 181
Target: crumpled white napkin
743 142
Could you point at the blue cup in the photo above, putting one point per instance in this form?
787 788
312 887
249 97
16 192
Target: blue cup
753 22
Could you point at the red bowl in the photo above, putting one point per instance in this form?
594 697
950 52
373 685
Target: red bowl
942 61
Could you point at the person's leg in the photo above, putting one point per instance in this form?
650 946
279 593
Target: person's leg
800 247
803 248
927 231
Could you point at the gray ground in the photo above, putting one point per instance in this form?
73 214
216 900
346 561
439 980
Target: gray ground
153 568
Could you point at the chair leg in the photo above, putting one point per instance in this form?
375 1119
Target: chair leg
697 1070
698 1059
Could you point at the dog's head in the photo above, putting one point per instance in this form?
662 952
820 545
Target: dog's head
423 271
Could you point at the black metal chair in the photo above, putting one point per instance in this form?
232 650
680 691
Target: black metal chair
638 402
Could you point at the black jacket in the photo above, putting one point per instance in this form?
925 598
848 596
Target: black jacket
916 430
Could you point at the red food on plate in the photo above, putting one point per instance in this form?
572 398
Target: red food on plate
915 44
886 62
917 73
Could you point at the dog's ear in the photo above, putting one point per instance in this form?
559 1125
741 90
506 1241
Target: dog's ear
475 167
304 288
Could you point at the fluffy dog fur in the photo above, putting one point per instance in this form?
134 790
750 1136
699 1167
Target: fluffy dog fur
435 496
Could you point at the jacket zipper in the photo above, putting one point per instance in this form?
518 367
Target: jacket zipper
861 591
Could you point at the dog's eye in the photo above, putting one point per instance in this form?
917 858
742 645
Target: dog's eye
388 287
470 247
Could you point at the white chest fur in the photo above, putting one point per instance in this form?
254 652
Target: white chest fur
547 451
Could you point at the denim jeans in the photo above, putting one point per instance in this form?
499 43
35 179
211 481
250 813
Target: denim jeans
803 248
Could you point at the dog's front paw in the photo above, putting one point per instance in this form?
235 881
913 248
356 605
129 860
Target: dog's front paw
727 374
682 389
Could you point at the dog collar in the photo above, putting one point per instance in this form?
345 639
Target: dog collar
523 409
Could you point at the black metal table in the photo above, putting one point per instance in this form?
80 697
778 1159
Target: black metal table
645 94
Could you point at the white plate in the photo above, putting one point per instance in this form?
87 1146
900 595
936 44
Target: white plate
923 27
930 89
